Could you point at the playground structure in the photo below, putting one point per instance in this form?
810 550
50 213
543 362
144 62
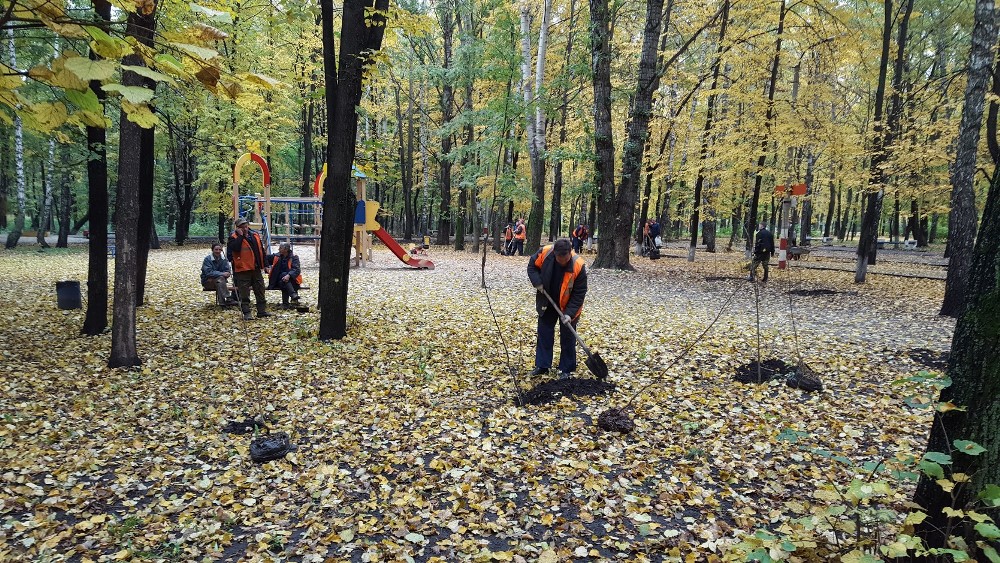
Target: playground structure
300 219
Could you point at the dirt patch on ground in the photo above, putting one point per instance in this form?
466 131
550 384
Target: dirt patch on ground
245 426
929 358
724 278
550 391
769 369
812 292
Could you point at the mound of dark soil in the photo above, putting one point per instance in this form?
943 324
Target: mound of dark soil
813 292
550 391
929 358
615 420
769 369
244 427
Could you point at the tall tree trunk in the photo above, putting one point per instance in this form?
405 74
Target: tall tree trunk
128 210
406 161
4 177
707 133
557 177
360 37
147 166
65 202
805 231
446 18
974 369
308 114
962 219
750 224
831 210
604 147
876 177
15 234
535 118
96 320
47 190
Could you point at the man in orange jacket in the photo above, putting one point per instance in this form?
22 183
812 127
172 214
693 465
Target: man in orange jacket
246 253
520 233
285 273
557 270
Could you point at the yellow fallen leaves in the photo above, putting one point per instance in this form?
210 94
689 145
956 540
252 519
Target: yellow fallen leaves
409 446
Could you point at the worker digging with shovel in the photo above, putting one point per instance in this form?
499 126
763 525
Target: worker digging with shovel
556 270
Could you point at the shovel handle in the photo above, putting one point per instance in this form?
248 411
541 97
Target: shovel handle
568 325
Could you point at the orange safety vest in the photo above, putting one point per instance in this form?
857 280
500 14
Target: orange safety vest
566 288
508 233
274 272
580 233
243 261
521 233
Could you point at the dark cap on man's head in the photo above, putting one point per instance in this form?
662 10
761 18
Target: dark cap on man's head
562 247
242 221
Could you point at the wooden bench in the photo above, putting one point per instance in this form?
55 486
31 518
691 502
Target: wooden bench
883 243
232 289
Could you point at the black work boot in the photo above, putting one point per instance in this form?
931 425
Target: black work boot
262 311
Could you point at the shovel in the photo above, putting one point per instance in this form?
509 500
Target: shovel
595 363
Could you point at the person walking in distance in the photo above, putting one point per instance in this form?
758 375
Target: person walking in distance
763 249
246 252
520 233
579 235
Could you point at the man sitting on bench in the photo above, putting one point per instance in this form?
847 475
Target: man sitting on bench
285 274
215 272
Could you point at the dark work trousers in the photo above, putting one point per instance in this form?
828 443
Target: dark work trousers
762 258
518 247
546 338
244 280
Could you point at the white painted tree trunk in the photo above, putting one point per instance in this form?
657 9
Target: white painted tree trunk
15 233
534 117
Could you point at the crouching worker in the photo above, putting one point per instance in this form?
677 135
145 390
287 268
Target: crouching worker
215 272
285 274
557 270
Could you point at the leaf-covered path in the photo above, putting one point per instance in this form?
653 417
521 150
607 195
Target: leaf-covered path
409 444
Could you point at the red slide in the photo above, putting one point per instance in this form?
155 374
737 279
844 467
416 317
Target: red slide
403 255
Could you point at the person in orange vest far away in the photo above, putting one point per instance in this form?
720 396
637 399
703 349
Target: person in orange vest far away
557 270
285 273
246 253
508 240
520 233
579 235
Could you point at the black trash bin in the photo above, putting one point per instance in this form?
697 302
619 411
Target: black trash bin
68 294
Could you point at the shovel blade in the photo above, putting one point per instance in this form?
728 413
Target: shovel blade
595 363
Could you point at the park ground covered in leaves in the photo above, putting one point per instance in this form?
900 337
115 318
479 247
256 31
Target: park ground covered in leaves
409 442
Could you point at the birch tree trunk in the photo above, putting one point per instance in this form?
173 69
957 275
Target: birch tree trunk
15 234
962 219
557 174
535 118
